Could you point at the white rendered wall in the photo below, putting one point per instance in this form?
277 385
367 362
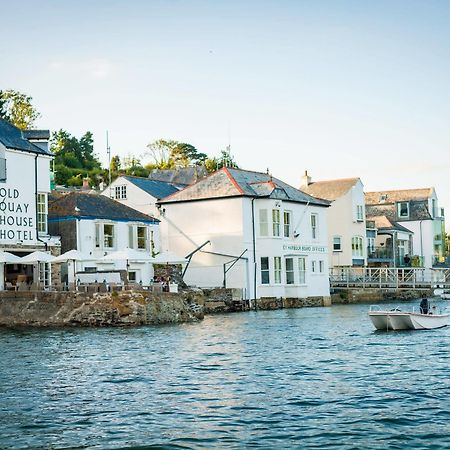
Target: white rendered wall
423 239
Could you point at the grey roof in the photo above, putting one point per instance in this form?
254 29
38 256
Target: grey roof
182 176
13 138
36 134
157 189
401 195
231 182
81 205
383 223
418 210
330 189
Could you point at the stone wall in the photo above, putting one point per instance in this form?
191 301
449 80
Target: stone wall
99 309
374 295
279 303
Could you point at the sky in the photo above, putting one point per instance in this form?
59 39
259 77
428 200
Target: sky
339 88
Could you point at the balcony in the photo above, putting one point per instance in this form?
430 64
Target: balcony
386 255
380 254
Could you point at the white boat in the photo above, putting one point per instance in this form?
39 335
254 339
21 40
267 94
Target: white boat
445 294
396 319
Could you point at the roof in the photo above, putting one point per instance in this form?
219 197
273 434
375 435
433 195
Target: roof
14 138
418 210
82 205
382 223
157 189
330 189
231 182
375 198
182 176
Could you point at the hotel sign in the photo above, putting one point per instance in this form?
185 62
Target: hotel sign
16 217
305 248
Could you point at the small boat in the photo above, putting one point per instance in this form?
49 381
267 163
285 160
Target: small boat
445 294
395 319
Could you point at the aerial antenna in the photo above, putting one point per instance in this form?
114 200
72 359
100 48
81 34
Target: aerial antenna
108 151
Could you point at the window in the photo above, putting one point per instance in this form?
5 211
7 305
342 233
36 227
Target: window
142 238
287 223
321 266
359 213
302 270
357 246
314 221
42 213
265 274
130 236
263 223
371 244
313 266
277 269
104 234
434 211
2 168
289 270
108 235
275 222
120 192
132 276
44 274
403 209
337 245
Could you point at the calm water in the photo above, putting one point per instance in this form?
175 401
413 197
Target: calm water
305 378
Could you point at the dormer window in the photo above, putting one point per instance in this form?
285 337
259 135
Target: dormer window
403 210
383 198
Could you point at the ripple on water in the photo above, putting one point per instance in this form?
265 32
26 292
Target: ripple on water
306 378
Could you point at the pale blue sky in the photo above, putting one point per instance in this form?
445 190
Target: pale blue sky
341 88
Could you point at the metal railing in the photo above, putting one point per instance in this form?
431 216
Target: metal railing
388 277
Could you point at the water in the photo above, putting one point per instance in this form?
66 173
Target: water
305 378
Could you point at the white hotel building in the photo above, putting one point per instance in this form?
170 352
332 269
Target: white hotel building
24 187
262 236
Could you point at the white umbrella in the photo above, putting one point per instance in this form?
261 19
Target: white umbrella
37 257
8 258
73 255
128 255
169 258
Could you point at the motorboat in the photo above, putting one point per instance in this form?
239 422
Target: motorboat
396 319
443 293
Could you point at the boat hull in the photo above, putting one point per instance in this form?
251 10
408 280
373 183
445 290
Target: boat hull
396 320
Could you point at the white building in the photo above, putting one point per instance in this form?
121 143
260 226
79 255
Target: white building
346 219
24 187
417 210
275 234
96 226
140 193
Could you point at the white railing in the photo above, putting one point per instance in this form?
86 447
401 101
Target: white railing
387 277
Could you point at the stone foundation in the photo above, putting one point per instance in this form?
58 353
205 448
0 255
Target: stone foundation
374 295
280 303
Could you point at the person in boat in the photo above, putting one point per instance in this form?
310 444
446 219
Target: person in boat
424 306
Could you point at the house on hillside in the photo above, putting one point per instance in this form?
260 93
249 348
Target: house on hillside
140 193
346 219
97 225
24 187
250 231
416 210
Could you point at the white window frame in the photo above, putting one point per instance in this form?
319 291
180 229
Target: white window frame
334 244
266 270
399 210
42 213
357 247
276 222
101 236
263 223
289 273
287 223
313 266
301 261
314 221
120 192
359 213
277 269
321 266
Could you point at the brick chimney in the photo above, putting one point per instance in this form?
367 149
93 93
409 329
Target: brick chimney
85 186
305 181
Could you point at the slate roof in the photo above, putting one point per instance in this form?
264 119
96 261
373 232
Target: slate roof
383 223
13 138
231 182
182 176
330 189
83 205
418 210
403 195
157 189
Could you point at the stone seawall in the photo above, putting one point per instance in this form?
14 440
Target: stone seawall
373 295
99 309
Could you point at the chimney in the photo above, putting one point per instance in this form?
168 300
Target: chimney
306 180
85 186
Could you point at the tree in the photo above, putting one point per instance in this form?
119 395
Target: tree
17 109
75 159
226 159
159 152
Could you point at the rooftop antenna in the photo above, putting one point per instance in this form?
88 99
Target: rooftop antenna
108 151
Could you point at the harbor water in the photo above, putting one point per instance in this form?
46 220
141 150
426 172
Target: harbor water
299 378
